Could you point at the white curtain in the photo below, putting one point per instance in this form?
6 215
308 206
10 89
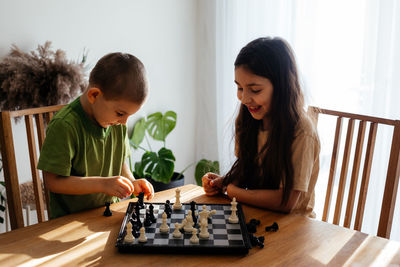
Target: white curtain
348 54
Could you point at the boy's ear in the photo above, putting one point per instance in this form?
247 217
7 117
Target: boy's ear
93 93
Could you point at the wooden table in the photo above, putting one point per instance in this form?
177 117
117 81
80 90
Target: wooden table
89 238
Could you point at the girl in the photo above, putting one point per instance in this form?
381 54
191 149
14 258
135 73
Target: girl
276 144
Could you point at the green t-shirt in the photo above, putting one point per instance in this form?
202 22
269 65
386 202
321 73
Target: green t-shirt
76 146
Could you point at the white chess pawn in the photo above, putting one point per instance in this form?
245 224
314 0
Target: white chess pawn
129 238
177 205
233 218
177 233
142 237
204 234
188 227
164 228
194 239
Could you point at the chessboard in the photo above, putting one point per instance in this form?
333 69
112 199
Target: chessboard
224 238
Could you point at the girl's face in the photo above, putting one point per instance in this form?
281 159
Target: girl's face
255 92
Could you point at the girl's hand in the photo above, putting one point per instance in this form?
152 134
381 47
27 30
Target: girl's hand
118 186
142 185
212 184
231 191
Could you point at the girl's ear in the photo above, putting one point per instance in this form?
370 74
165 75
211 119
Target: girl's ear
93 93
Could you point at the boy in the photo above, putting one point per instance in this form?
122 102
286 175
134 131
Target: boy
86 142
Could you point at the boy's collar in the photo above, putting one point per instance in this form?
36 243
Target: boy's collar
90 126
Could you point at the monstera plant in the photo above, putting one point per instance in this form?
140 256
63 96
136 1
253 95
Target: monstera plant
159 165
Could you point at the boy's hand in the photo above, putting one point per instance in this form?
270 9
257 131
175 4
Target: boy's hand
142 185
118 186
212 184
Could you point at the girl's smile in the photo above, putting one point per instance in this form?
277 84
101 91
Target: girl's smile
255 92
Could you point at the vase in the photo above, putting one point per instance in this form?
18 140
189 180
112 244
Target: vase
176 181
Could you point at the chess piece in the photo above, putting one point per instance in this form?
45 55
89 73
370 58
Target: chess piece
252 225
129 238
140 200
142 237
188 227
147 220
233 218
107 211
164 228
152 218
194 239
205 214
177 205
194 212
272 228
177 233
168 209
204 234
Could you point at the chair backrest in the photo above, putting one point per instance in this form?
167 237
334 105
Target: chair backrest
392 175
42 116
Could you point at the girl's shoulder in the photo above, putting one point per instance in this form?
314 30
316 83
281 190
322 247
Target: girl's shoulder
306 127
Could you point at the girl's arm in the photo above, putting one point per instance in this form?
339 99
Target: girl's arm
263 198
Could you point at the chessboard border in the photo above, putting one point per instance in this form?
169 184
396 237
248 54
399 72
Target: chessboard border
188 249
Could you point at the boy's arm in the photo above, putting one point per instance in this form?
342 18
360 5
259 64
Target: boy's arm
74 185
263 198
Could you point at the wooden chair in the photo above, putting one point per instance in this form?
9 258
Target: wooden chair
42 116
392 175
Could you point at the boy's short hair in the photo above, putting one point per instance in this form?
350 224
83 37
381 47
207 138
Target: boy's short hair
120 76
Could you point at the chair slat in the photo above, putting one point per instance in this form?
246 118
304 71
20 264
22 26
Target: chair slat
40 129
391 185
354 175
37 183
343 174
10 172
362 197
332 170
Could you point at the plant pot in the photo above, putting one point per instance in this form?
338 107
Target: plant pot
159 186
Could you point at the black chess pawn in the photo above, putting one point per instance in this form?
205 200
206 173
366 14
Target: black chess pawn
140 200
193 209
168 209
147 220
272 228
107 211
152 217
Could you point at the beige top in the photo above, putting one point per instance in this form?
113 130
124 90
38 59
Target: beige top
305 148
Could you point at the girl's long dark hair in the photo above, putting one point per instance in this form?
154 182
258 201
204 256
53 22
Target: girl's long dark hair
273 59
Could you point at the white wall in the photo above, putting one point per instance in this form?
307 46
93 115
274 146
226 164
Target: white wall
160 33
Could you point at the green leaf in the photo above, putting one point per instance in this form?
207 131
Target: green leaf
138 133
160 166
204 166
139 169
159 125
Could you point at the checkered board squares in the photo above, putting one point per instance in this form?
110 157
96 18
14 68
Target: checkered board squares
225 238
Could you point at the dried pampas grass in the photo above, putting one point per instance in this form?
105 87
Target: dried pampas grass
41 78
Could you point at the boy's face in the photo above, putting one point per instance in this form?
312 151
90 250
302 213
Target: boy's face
111 112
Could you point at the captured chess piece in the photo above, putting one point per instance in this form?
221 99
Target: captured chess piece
272 228
252 226
256 241
107 211
177 205
233 218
